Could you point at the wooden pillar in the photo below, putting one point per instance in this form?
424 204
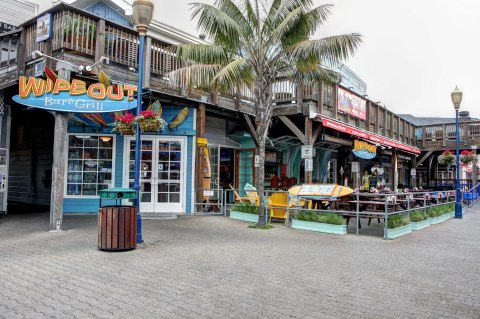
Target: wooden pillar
21 54
308 139
99 42
200 127
335 101
60 151
320 98
394 170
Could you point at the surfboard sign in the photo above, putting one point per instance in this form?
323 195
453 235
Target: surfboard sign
74 97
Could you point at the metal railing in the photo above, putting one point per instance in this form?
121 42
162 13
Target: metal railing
472 195
357 205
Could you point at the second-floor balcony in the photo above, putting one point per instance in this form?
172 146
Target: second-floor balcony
83 38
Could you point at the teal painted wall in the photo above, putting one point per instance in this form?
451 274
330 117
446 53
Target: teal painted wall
90 205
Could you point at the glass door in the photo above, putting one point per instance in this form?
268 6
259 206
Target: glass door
162 173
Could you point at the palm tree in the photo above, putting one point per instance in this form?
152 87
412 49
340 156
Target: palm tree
253 44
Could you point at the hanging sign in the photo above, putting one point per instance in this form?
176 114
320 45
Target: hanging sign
308 165
74 97
308 151
363 149
413 171
44 27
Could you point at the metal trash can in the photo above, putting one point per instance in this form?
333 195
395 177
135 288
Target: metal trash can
117 224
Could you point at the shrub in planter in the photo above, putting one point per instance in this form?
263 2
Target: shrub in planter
321 222
244 211
398 225
397 221
419 220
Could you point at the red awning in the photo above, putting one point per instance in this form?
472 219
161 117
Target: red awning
345 128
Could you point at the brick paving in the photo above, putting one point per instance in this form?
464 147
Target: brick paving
214 267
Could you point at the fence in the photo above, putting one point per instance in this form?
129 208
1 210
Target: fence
280 204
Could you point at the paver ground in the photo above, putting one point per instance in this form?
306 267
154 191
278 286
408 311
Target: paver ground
215 267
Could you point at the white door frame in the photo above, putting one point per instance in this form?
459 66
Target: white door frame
154 207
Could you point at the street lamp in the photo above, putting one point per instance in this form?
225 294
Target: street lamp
456 100
142 16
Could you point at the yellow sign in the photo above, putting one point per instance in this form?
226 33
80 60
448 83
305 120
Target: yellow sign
201 141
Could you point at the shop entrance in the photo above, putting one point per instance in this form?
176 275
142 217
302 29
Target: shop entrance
162 173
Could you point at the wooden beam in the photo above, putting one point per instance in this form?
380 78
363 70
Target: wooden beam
293 128
200 127
251 129
423 158
317 132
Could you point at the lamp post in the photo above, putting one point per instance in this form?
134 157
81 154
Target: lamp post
142 16
456 100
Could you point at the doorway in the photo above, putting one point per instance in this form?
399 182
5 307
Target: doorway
162 173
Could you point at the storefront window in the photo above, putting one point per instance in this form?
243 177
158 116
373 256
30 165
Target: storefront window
90 164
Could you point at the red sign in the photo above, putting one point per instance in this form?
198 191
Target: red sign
369 136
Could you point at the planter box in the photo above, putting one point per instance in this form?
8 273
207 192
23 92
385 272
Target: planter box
420 225
440 219
319 227
252 218
399 231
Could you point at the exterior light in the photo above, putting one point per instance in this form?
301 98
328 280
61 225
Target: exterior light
142 16
456 100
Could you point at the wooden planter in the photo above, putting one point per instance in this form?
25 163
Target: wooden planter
319 227
399 231
252 218
420 225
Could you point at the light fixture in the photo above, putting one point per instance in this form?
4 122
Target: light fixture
131 69
105 138
102 59
456 100
38 54
142 16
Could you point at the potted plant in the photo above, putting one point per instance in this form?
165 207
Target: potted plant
446 158
419 219
150 121
331 223
244 211
84 30
467 157
124 124
398 225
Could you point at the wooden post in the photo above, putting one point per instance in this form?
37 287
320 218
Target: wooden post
200 127
21 54
60 151
99 42
320 98
308 138
395 170
335 101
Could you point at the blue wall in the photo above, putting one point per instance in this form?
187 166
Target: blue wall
90 205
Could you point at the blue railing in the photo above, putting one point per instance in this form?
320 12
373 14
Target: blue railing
472 195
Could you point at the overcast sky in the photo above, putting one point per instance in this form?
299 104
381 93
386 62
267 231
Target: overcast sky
413 54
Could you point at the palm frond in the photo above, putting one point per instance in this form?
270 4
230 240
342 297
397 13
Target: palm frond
200 75
333 48
238 72
201 53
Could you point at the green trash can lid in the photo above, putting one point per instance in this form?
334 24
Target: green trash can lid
118 193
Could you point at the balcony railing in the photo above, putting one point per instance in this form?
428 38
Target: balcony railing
443 136
83 34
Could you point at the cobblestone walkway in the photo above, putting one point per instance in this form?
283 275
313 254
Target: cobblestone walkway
214 267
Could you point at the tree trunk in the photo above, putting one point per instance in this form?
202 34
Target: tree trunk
260 182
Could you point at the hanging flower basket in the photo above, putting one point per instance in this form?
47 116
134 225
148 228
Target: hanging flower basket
446 158
150 121
124 124
126 129
467 157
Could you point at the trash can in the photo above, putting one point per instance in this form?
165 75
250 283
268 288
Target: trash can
117 224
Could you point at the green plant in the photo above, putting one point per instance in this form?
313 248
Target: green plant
325 218
418 216
398 220
433 211
79 26
265 227
247 208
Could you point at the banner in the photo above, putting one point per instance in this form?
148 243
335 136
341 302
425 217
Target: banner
351 104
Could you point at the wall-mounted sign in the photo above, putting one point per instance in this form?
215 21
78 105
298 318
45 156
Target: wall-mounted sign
308 151
44 27
257 160
271 157
369 136
201 141
355 167
352 104
39 69
5 27
363 149
74 97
